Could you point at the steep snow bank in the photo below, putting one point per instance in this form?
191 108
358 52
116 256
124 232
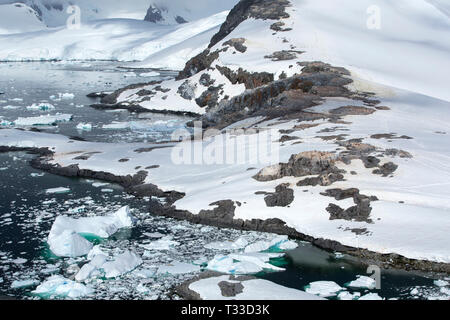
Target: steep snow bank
17 18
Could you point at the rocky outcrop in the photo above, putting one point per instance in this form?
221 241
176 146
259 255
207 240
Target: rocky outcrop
300 165
187 90
283 55
198 63
282 197
250 80
237 43
257 9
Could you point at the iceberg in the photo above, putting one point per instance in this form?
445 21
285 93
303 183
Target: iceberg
124 263
57 190
58 286
344 295
41 107
69 244
84 126
323 288
20 284
64 237
363 282
240 243
278 243
371 296
440 283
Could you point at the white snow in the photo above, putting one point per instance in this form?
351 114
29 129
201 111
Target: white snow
41 107
17 18
61 287
257 289
240 243
323 288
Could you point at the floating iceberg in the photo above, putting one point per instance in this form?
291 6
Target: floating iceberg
58 286
344 295
21 284
41 107
124 263
323 288
363 282
69 244
278 243
440 283
63 229
371 296
57 190
47 120
84 126
243 263
163 244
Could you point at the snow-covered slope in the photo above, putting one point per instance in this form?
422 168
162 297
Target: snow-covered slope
109 39
17 18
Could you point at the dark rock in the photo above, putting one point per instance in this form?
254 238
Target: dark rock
205 80
370 162
154 14
250 80
237 43
187 90
386 169
198 63
282 197
229 289
278 26
210 97
283 55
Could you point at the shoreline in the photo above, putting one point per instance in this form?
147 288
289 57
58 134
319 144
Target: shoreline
223 215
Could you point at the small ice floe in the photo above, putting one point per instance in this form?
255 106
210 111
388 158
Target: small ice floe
10 107
100 184
362 282
6 123
278 243
22 284
142 289
344 295
240 243
42 120
59 190
84 126
107 190
64 237
164 244
145 273
36 175
16 99
129 74
240 264
150 74
153 235
41 107
115 125
176 267
4 168
66 96
371 296
324 289
58 286
19 261
441 283
101 266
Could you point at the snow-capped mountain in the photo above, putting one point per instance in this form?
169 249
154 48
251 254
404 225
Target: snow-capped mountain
18 18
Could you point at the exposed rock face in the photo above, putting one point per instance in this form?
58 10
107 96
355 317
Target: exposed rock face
300 165
282 98
278 26
187 90
352 111
283 55
386 169
251 80
230 289
153 15
210 97
282 197
205 80
258 9
237 43
198 63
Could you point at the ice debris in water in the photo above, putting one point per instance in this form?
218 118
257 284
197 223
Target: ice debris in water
177 267
58 286
440 283
41 107
65 239
280 243
163 244
240 243
100 265
43 120
20 284
344 295
371 296
250 263
84 126
323 288
363 282
57 190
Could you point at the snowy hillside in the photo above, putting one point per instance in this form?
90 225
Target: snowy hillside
357 92
17 18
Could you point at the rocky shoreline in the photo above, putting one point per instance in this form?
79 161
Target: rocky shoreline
223 215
